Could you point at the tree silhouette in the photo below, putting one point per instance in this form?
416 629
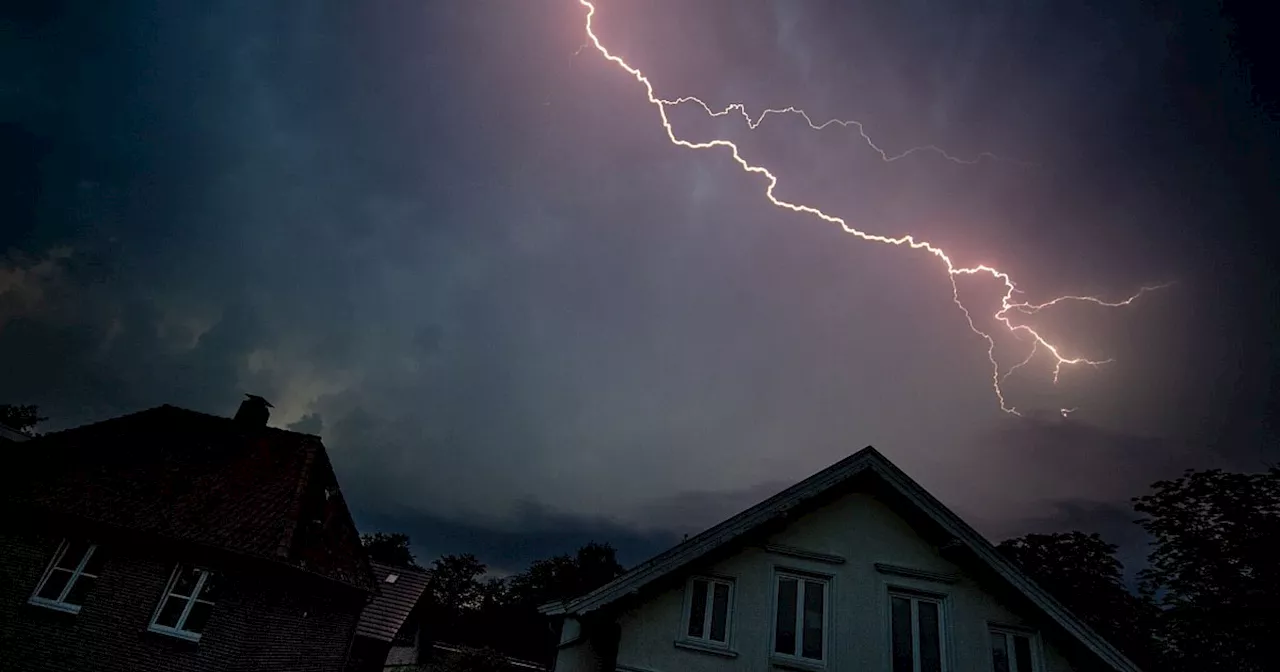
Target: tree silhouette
21 418
1214 570
1082 572
471 610
389 548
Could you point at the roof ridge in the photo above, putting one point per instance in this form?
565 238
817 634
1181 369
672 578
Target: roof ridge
835 472
285 550
171 407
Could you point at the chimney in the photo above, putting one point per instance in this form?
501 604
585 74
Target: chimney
254 411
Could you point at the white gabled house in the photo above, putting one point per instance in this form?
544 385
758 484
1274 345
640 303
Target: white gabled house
856 568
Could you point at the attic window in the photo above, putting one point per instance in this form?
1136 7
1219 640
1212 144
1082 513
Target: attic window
70 575
708 607
391 578
1012 651
188 601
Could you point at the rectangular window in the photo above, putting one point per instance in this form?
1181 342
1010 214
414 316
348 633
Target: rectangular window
708 610
69 576
916 624
800 620
187 603
1011 652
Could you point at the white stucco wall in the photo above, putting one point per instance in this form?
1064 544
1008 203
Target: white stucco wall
863 531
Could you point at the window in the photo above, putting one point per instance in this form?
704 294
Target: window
707 610
72 572
188 600
916 624
1011 651
800 622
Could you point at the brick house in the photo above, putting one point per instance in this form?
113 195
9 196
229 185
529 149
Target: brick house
174 540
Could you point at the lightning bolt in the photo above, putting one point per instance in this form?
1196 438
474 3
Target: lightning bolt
1007 303
741 109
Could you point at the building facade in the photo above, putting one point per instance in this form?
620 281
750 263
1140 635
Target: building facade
174 540
856 568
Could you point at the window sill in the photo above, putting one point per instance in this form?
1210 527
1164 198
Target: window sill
174 633
56 606
700 647
797 664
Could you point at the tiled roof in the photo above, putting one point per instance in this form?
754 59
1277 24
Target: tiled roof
203 479
383 616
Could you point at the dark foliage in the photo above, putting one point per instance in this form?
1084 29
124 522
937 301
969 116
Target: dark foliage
391 549
1082 572
502 614
22 418
1213 570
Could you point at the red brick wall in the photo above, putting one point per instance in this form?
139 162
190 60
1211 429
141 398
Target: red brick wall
266 619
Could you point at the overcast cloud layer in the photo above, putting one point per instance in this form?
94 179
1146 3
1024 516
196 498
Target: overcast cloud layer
462 251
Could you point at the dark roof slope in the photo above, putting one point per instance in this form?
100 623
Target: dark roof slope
257 491
386 613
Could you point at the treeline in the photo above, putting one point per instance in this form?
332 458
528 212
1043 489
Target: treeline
1208 598
468 608
1208 601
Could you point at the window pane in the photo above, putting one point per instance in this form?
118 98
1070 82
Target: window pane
902 644
187 577
697 608
198 617
999 652
1022 653
813 620
719 612
53 586
785 628
171 611
79 589
75 553
94 565
209 591
930 637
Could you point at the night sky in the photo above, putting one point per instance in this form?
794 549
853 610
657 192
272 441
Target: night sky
460 248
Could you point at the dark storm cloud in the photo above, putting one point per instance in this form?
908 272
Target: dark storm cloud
469 259
533 534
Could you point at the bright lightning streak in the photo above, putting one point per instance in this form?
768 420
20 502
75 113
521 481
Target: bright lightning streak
1031 309
1006 301
888 158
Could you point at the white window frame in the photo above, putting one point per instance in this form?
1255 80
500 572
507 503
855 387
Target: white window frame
826 580
59 603
1009 632
705 639
916 597
176 630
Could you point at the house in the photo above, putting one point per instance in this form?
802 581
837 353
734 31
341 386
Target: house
855 568
389 632
394 633
174 540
